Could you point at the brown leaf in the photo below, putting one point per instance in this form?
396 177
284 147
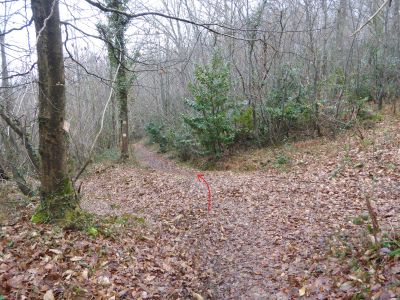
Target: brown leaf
197 296
55 251
16 282
48 295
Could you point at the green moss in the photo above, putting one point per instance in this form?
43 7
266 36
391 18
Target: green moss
72 219
61 207
141 220
40 217
93 232
358 221
80 220
282 159
365 143
106 232
68 187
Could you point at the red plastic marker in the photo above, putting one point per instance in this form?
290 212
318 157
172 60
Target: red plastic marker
200 177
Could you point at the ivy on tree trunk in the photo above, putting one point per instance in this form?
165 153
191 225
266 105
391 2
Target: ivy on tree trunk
114 33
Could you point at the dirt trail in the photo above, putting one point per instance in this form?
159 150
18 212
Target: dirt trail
267 234
240 261
157 162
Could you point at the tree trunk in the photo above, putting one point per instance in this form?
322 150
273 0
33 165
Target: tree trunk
396 32
383 78
118 23
4 73
324 68
341 22
114 134
122 95
57 195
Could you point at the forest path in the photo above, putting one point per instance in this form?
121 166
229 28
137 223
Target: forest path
268 231
157 162
234 263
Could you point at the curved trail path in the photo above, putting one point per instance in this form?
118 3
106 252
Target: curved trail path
157 162
267 234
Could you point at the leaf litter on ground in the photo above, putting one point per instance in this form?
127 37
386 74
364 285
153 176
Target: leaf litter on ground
272 234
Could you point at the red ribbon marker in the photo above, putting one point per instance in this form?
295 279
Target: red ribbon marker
200 177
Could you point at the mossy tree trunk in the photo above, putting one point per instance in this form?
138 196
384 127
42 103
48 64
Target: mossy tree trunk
58 199
122 95
115 34
122 85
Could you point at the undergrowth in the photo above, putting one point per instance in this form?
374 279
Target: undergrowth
367 262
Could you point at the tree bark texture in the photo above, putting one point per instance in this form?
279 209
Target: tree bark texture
56 188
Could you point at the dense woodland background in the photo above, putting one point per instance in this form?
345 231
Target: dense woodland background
287 69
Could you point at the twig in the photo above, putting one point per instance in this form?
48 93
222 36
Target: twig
371 18
374 218
77 62
18 28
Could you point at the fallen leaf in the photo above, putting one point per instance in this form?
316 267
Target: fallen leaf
103 280
150 278
302 291
355 278
55 251
197 296
68 274
48 295
76 258
85 274
347 286
16 282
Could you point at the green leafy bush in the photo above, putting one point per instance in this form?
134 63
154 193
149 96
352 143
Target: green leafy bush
282 160
185 145
155 131
243 120
286 106
210 123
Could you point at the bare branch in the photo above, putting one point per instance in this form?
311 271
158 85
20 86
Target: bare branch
19 74
371 18
158 14
18 28
102 79
16 126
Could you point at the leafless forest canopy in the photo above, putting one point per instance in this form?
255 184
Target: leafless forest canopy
293 68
